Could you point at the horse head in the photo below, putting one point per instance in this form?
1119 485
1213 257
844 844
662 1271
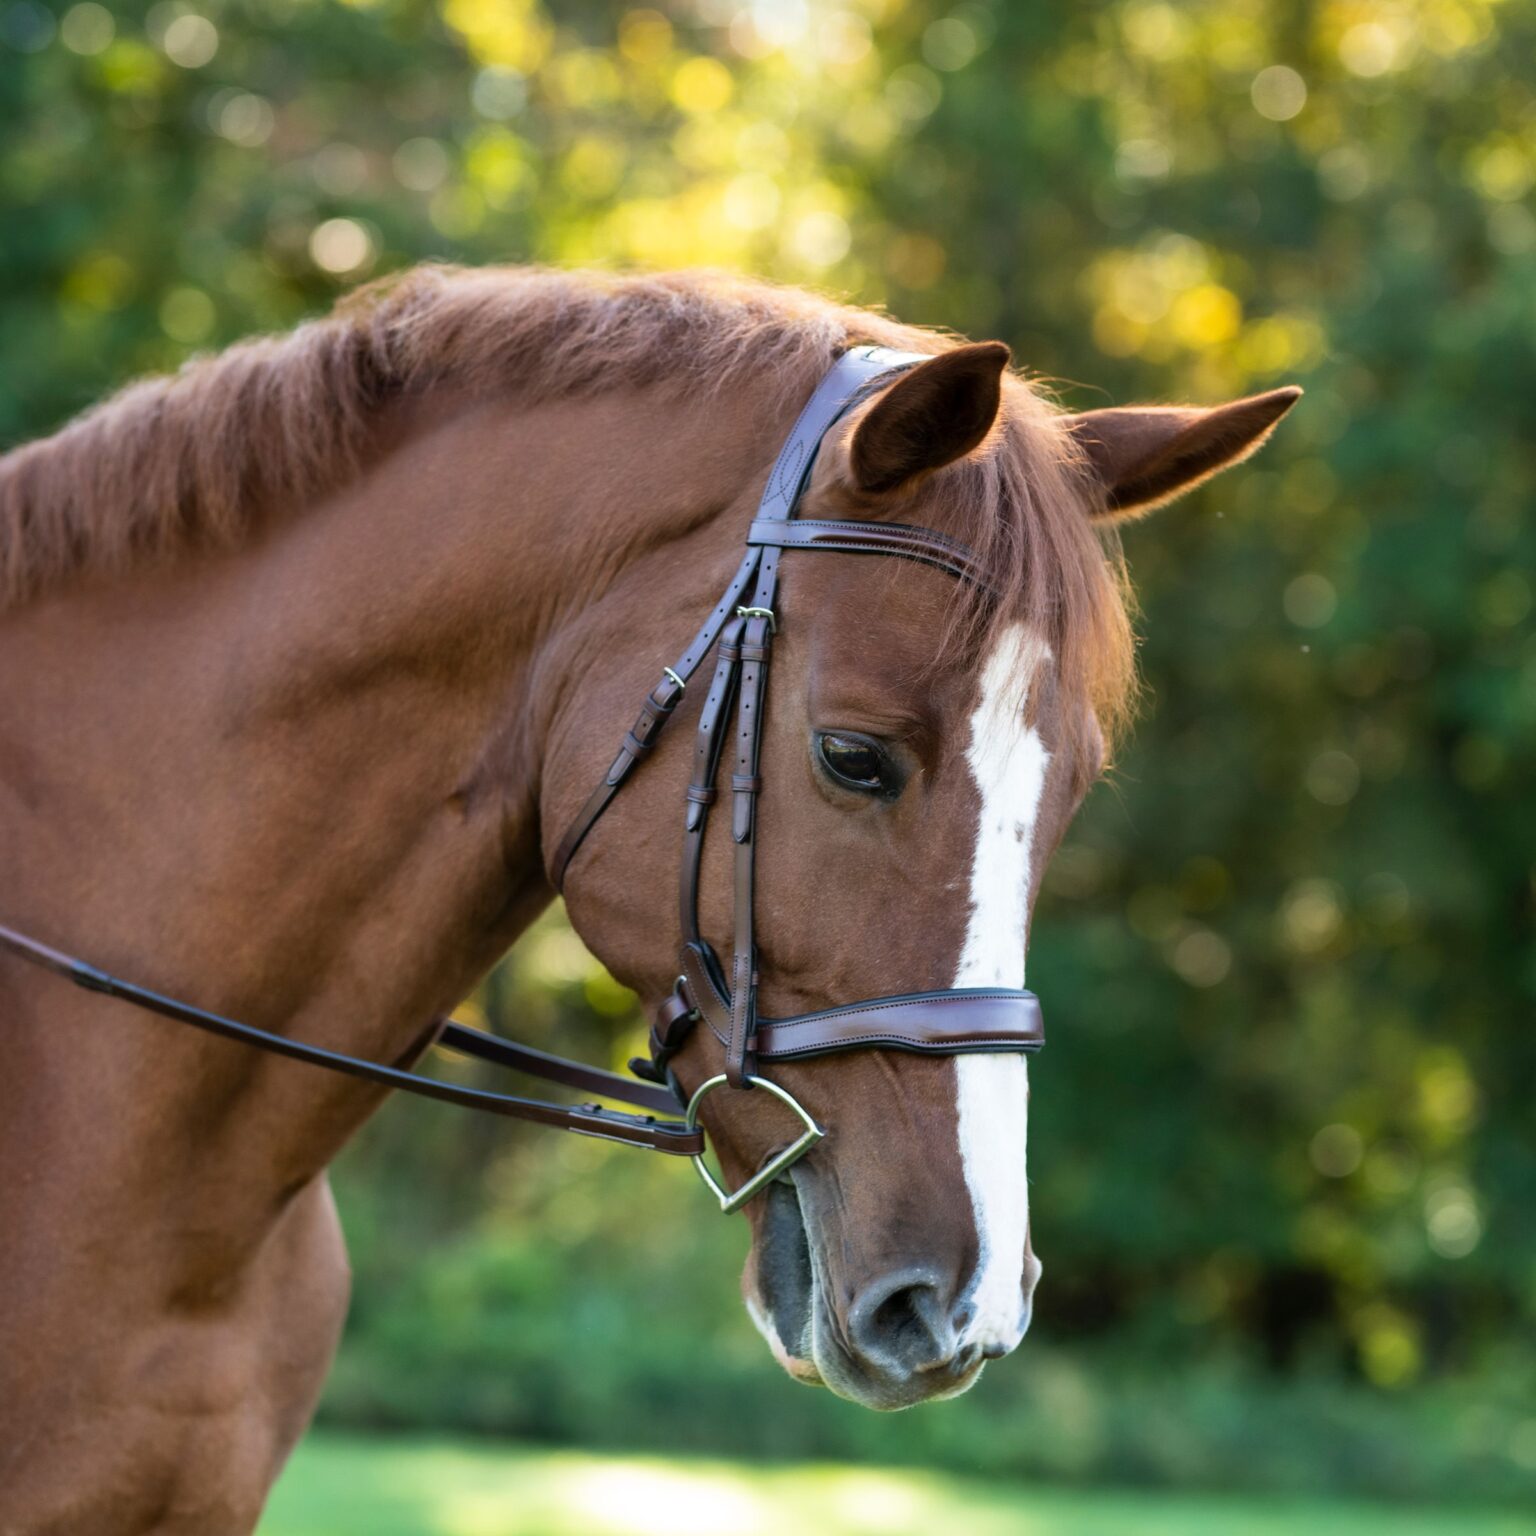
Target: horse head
923 747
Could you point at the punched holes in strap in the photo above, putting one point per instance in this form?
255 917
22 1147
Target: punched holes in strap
745 782
756 640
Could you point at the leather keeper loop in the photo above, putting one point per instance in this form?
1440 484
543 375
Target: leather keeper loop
635 747
675 1011
701 795
747 783
665 695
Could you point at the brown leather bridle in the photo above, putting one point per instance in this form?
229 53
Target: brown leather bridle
740 630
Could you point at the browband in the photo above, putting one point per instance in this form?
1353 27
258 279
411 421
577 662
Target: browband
855 538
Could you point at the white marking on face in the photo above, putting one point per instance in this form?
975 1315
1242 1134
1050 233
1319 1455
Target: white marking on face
1008 761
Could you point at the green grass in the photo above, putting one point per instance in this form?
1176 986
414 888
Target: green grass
339 1486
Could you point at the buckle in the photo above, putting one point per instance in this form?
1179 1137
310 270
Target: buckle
760 613
769 1172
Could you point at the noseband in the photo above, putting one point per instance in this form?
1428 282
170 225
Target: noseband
740 631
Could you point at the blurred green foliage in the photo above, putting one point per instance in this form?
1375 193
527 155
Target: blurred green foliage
1283 1138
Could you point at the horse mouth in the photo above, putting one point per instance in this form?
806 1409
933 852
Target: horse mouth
788 1303
784 1306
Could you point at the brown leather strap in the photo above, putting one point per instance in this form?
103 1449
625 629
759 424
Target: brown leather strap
654 714
675 1021
585 1119
502 1052
636 747
709 739
945 1023
756 650
965 1019
856 538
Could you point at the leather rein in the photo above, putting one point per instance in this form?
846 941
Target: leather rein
740 631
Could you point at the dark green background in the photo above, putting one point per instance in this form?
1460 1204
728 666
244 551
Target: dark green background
1283 1157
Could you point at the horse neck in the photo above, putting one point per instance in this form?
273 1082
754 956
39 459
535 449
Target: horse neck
300 784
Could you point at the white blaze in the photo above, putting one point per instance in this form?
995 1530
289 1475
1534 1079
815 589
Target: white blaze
1008 760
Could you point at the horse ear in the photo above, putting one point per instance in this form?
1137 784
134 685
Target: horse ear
932 415
1144 456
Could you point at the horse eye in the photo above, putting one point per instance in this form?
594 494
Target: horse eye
857 763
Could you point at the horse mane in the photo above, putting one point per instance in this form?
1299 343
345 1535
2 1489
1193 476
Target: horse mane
187 462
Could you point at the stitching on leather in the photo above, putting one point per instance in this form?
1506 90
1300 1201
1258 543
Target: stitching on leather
813 525
769 1053
794 441
935 1000
796 444
949 1040
912 529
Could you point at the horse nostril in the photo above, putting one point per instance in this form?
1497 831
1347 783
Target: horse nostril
902 1324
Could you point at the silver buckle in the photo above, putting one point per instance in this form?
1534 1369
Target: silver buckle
767 1174
760 613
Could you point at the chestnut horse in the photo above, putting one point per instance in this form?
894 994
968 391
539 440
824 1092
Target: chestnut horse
307 656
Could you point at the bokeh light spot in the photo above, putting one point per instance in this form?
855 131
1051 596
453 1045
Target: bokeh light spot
645 37
341 246
950 44
421 165
702 85
1311 915
87 28
1202 958
499 93
1333 778
1389 1346
27 26
1208 315
1278 93
1452 1222
187 315
1368 49
820 239
1310 601
242 117
1337 1150
190 40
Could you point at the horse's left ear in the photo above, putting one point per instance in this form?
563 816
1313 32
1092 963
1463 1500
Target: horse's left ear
932 415
1144 456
